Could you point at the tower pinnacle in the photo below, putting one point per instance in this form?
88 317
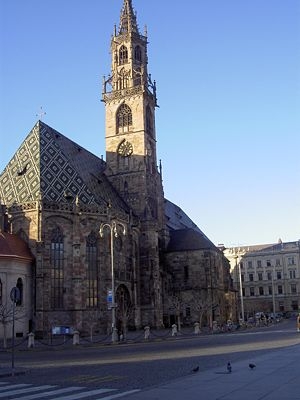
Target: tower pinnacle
128 22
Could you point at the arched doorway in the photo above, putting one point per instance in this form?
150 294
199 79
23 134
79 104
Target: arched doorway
124 311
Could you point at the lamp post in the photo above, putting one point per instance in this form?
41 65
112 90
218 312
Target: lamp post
273 291
239 283
113 228
241 292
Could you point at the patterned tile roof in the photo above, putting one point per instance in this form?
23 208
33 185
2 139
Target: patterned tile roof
51 167
13 247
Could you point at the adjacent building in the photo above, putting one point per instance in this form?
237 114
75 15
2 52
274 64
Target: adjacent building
266 277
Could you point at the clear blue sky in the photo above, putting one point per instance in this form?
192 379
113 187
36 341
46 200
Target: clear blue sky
228 86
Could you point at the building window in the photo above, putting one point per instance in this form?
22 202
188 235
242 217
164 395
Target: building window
268 263
260 276
20 287
249 264
293 288
277 262
92 271
261 291
278 274
57 262
280 289
292 274
123 55
252 292
281 306
291 261
138 54
186 272
241 265
124 118
295 305
270 290
251 277
149 120
243 292
188 311
259 264
242 277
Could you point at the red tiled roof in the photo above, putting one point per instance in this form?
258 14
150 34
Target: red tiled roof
12 246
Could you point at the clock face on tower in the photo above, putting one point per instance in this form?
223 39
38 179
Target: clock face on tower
125 148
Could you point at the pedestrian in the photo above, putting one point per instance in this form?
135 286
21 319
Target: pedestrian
298 323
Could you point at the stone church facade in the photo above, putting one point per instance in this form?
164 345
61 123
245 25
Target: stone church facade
57 195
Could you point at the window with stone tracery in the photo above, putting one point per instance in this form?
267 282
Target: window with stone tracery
123 55
124 118
138 54
57 264
92 271
149 120
123 79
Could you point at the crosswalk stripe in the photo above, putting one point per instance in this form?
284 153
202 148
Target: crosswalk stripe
51 393
20 385
84 394
115 396
27 390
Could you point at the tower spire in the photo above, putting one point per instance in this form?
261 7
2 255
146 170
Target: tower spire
128 22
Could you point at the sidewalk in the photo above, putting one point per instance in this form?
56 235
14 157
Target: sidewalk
275 377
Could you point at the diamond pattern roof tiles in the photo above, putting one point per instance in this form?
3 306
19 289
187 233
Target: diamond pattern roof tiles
50 166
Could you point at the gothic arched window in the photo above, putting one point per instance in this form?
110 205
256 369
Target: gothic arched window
57 264
92 271
123 55
138 54
124 118
20 287
149 120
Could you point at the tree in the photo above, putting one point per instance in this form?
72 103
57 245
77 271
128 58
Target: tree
200 303
6 318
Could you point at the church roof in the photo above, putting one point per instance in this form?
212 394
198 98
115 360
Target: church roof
177 219
188 240
13 247
49 166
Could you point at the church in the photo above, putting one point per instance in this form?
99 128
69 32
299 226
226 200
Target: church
109 251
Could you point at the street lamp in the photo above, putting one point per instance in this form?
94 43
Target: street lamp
273 291
241 292
113 228
239 279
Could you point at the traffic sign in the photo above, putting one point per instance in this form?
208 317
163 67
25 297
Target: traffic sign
15 294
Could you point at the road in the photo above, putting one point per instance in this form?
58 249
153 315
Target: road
135 366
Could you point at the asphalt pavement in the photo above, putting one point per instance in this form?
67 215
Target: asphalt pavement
276 376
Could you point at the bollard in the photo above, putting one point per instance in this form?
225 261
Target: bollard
196 328
147 332
30 340
174 330
75 338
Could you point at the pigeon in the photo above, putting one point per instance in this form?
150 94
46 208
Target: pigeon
252 366
229 368
196 369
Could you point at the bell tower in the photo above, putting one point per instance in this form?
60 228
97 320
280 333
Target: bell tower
129 95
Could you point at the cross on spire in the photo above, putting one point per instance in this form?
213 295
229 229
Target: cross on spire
40 114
